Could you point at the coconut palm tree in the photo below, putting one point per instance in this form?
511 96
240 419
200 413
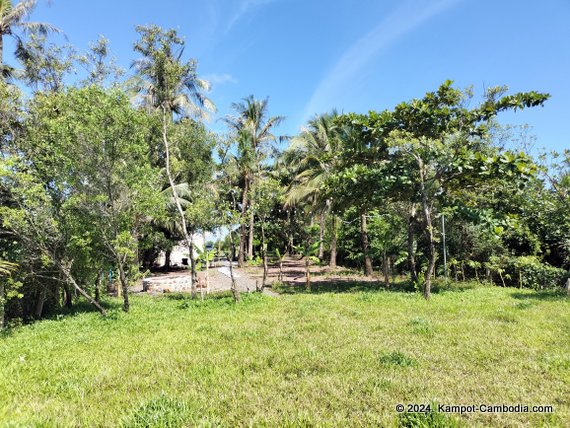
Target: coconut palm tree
172 87
312 156
163 80
14 17
253 130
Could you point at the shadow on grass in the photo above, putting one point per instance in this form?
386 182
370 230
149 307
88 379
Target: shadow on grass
222 299
324 285
544 295
83 306
221 295
336 285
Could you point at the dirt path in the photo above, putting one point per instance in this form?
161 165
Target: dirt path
294 273
180 281
247 278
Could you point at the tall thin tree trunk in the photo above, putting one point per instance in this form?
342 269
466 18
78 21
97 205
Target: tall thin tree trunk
98 286
207 264
194 274
242 229
251 230
264 255
321 235
290 242
365 244
428 230
40 303
124 285
307 272
412 244
234 289
332 261
386 268
2 310
175 193
119 288
1 53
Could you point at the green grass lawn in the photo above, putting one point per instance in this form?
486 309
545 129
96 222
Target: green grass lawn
321 359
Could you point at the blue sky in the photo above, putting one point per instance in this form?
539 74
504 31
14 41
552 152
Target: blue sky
310 56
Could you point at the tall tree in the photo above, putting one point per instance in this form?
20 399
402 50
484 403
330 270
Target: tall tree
12 18
313 155
45 65
172 87
98 63
253 130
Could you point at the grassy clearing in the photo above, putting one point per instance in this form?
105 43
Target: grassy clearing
322 359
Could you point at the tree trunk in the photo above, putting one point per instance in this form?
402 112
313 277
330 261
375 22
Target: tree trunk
194 281
251 226
290 242
2 56
321 235
307 272
428 230
234 289
332 261
175 193
502 279
67 297
119 288
65 269
98 286
2 310
242 229
386 268
365 245
264 255
124 286
167 255
567 286
412 244
207 275
40 303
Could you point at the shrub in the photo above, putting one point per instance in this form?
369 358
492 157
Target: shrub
529 272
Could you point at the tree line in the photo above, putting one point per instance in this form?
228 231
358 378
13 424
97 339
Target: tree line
102 170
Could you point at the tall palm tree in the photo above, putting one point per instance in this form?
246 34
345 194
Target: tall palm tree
172 87
253 129
312 156
12 18
164 81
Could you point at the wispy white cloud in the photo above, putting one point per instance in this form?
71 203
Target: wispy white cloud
403 20
244 8
220 79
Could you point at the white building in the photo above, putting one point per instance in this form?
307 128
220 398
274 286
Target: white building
179 255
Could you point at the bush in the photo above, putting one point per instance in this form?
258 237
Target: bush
529 272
